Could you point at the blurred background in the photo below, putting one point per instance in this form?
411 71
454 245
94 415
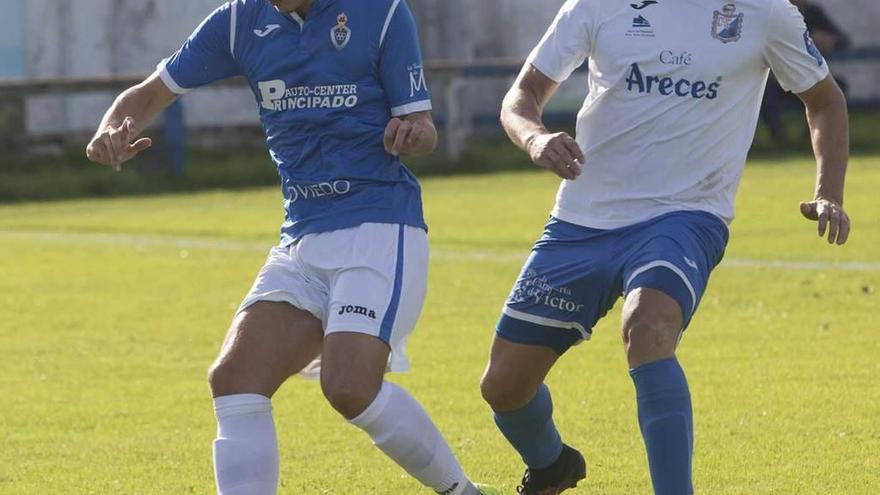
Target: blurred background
62 63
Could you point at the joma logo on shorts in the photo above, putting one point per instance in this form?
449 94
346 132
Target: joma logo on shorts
358 310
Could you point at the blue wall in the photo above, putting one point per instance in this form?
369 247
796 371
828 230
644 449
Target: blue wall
12 38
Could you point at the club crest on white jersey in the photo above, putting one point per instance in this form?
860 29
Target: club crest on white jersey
727 25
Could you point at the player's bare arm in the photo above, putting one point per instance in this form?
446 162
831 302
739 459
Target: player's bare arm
115 141
522 118
829 129
413 134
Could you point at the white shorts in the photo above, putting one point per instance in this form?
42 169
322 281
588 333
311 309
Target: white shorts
367 279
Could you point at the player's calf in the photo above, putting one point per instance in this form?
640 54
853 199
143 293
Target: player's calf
352 373
503 392
266 343
513 385
514 373
652 323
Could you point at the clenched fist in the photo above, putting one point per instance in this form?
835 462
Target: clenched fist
410 136
113 146
557 152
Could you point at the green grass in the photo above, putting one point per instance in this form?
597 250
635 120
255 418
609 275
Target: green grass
112 310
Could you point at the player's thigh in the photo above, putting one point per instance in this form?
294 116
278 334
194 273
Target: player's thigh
375 301
266 343
665 278
381 289
564 288
514 373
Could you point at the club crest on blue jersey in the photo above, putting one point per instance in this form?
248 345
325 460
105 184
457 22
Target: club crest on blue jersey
340 35
812 49
727 24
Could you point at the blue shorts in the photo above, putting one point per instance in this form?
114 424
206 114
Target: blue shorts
575 274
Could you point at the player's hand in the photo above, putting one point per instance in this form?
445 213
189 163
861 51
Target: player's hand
558 153
405 137
113 147
831 217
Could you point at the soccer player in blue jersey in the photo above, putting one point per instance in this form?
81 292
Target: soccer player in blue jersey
341 93
648 191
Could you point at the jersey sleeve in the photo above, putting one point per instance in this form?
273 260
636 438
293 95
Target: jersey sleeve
790 51
567 43
400 65
205 57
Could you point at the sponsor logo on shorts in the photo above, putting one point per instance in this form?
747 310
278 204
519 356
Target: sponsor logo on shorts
537 289
358 310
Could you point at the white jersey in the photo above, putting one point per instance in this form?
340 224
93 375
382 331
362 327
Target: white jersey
675 88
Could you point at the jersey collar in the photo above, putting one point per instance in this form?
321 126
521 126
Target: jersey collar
317 7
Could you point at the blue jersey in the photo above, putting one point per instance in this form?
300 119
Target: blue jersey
326 87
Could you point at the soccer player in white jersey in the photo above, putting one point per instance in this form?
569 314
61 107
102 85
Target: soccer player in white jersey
341 93
648 191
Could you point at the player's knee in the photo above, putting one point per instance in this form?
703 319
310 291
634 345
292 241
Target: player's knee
229 375
349 397
503 392
225 379
219 378
650 335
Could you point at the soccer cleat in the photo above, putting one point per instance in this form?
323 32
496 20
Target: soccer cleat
563 474
487 490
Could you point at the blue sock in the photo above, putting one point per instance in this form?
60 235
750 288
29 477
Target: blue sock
666 421
531 430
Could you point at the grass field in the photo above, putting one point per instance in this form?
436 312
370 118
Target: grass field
111 311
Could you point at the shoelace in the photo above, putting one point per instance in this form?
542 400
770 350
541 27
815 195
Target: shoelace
525 483
521 489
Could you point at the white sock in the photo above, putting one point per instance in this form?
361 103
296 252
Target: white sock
403 431
246 450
